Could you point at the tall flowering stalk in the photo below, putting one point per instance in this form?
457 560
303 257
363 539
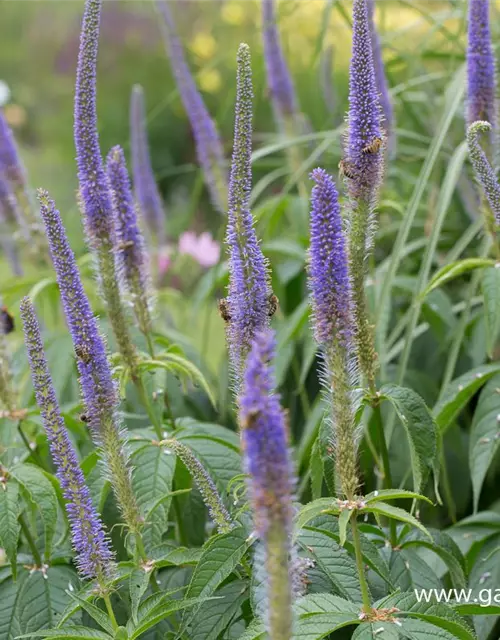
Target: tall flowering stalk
146 191
7 393
95 195
481 69
330 289
380 76
247 305
485 175
94 557
98 388
207 139
271 481
131 257
14 192
363 169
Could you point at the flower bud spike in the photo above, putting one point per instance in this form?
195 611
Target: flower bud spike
485 174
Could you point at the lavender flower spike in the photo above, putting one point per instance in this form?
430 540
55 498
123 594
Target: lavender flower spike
11 167
271 481
330 287
485 174
380 76
132 260
146 190
279 79
249 292
98 388
94 557
208 143
481 71
7 393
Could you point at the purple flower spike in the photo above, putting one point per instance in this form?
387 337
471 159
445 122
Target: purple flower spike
328 271
98 388
146 191
279 79
132 260
271 481
94 557
11 166
380 76
94 186
485 174
248 299
481 71
365 136
208 143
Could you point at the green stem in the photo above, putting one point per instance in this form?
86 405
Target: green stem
29 539
139 383
365 594
32 452
139 545
386 465
111 613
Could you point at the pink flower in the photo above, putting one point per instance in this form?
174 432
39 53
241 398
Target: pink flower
164 261
204 249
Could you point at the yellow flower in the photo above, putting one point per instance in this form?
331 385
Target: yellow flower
210 81
233 13
203 45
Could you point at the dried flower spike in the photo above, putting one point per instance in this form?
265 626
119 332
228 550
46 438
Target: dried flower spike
271 480
94 557
132 260
207 139
146 191
249 291
98 388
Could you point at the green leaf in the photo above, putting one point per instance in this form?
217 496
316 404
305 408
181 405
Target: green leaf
95 613
334 561
344 517
138 583
455 269
475 609
160 613
491 294
152 480
484 438
213 617
459 392
421 431
70 633
10 591
42 495
485 574
255 631
422 630
321 614
314 509
393 494
381 508
376 631
9 525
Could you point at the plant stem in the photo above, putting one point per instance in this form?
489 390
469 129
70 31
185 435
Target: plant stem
32 452
29 539
139 383
111 613
367 607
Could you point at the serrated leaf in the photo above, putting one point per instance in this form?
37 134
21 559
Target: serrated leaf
138 583
484 438
485 574
381 508
161 613
255 631
344 517
9 619
9 524
393 494
314 509
459 392
70 633
420 428
42 495
475 609
334 562
491 293
376 631
213 618
321 614
95 613
455 269
412 629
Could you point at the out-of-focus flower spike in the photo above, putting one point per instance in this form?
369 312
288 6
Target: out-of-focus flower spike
98 388
205 484
481 70
380 75
207 139
325 79
8 246
271 480
7 393
330 288
95 193
11 166
247 304
94 557
145 187
485 174
132 260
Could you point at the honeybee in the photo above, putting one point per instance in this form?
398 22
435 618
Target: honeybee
373 147
6 321
83 353
250 420
346 169
125 245
84 417
224 310
273 305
